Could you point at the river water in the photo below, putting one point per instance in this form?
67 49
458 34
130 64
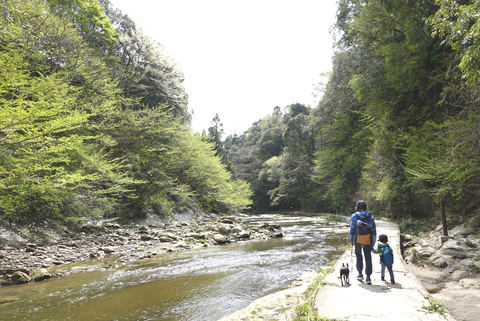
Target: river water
199 284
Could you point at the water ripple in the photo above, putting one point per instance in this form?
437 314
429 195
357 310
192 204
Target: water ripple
200 284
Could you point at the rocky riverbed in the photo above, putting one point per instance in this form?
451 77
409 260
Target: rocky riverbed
26 256
449 267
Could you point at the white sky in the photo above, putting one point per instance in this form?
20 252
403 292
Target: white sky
241 58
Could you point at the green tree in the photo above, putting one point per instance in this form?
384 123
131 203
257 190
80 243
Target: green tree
275 156
342 136
397 84
90 21
458 25
74 142
269 179
261 142
50 166
215 133
296 180
270 140
179 170
444 161
209 178
147 75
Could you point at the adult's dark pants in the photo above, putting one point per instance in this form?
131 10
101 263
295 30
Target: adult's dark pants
367 253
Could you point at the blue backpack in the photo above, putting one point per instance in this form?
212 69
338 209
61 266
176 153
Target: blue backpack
386 255
364 230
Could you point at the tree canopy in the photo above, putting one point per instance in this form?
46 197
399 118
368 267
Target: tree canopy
397 122
94 121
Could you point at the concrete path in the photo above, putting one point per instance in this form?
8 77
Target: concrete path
381 300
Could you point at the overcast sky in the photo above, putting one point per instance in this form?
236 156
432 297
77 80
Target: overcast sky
241 58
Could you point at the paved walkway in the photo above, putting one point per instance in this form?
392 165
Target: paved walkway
381 300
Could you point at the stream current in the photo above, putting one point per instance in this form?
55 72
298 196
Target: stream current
201 284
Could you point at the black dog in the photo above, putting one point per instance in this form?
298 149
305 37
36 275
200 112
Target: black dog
344 274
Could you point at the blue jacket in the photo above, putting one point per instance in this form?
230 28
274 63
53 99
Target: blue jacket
378 250
353 225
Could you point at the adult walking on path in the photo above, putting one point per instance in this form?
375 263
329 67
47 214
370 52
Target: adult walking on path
363 234
380 300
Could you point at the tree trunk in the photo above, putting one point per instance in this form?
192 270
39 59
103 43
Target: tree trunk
444 218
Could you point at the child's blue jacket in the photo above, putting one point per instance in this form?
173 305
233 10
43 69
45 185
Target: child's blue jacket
353 224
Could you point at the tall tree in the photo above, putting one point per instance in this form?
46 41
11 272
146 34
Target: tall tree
342 135
90 21
458 24
52 87
147 74
396 85
215 132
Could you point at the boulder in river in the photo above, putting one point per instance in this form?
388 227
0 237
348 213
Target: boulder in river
18 277
277 233
219 238
40 275
242 232
223 228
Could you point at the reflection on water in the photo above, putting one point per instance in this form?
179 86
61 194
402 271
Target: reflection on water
201 284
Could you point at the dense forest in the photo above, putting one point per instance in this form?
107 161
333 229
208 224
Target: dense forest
94 120
397 123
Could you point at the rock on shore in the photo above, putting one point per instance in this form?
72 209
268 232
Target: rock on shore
24 259
449 267
458 255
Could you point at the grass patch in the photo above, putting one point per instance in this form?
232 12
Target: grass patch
305 312
347 246
415 256
255 312
434 306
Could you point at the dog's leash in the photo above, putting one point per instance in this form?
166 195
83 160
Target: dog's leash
351 258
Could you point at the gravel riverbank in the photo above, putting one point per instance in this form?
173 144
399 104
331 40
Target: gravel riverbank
26 256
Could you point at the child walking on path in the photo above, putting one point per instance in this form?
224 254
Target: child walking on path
386 257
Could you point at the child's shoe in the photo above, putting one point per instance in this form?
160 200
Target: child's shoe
393 281
368 280
383 278
360 277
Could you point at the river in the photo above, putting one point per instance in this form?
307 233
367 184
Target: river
199 284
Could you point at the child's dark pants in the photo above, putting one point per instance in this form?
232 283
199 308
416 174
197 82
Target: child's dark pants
390 271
